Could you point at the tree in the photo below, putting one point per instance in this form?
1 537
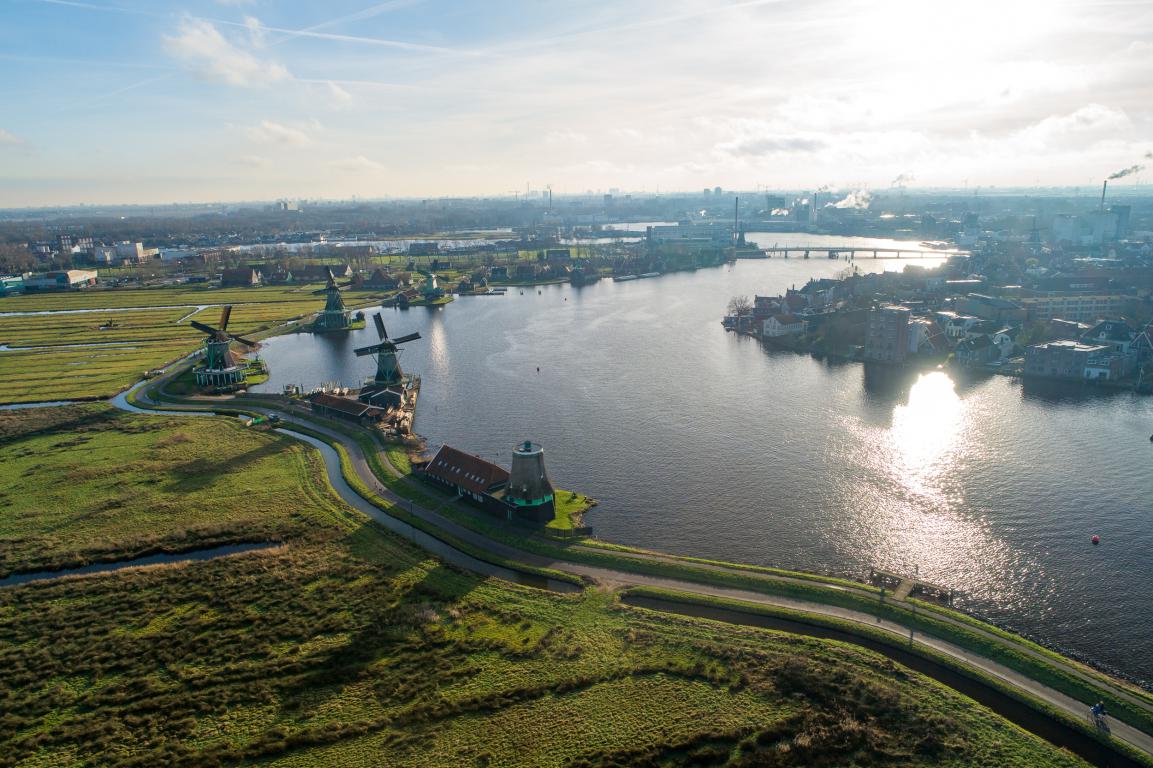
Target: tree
15 259
740 305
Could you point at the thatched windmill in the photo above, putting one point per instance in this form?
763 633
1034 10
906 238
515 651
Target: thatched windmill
334 317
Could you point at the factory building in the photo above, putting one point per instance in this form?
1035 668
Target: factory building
66 280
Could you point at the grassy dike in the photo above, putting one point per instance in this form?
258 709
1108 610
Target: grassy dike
985 639
989 641
879 636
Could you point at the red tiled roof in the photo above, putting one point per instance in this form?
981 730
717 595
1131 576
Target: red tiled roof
341 404
465 470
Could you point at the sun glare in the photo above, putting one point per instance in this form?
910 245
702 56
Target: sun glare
926 430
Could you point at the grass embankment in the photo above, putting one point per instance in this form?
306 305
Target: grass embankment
137 340
989 641
400 513
89 483
350 647
735 609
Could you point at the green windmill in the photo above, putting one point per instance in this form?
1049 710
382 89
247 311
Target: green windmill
388 372
219 368
334 317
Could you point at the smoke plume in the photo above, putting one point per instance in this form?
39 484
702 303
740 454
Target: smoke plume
858 198
1127 172
903 178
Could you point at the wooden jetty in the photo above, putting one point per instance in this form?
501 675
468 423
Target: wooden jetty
908 586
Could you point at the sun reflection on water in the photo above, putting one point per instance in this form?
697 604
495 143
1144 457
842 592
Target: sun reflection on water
919 519
925 432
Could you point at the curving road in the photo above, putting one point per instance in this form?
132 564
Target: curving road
612 578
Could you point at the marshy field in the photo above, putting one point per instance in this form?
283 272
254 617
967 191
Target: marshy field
346 646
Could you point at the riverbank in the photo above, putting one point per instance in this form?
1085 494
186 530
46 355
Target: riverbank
813 591
351 647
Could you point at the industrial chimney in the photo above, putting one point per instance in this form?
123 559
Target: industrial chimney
529 489
1104 187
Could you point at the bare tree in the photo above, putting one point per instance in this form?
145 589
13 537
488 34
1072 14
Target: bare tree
740 305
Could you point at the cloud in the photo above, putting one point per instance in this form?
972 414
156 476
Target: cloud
206 51
9 139
255 31
1077 128
253 161
269 132
772 145
338 95
566 138
357 164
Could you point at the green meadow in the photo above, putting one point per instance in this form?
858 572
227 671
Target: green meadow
42 361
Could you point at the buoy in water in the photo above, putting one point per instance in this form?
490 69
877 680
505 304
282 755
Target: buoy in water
1096 539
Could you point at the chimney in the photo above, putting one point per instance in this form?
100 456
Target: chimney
1104 187
736 218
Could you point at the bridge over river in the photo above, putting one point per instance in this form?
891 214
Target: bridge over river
850 253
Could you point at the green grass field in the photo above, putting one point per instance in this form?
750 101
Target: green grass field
570 507
89 483
349 647
182 296
131 341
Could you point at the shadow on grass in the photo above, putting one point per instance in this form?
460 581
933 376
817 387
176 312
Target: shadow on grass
200 473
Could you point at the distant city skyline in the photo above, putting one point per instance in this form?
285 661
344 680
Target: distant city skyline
127 101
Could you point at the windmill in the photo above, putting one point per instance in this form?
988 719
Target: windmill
219 368
388 372
334 317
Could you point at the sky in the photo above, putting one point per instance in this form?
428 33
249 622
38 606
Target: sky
150 101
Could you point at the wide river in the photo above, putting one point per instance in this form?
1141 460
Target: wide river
701 442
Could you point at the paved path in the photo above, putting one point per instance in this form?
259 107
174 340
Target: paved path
617 578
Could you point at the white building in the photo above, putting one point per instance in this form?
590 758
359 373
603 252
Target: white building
784 325
1090 229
